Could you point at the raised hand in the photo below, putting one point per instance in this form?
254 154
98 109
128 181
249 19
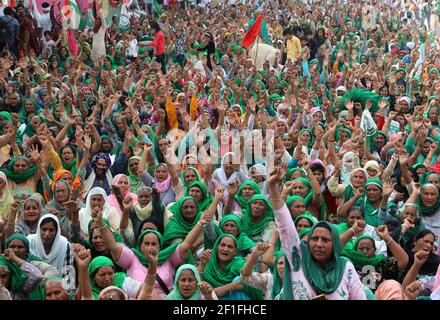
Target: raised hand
382 232
219 192
358 227
206 290
388 186
127 203
412 291
420 257
71 206
152 255
206 255
233 187
260 248
277 174
82 256
34 154
87 142
408 223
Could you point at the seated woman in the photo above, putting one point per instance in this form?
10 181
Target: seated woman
18 276
355 227
120 193
305 220
296 205
170 258
70 225
237 199
20 245
270 283
374 268
230 224
97 197
222 271
28 217
344 192
257 219
186 213
316 268
188 285
49 245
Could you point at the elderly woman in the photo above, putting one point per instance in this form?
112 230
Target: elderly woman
19 277
188 285
97 198
428 201
28 217
344 192
316 265
6 198
20 245
120 192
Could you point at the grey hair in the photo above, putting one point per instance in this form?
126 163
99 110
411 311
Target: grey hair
64 285
412 204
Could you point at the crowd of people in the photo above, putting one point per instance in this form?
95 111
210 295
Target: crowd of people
147 152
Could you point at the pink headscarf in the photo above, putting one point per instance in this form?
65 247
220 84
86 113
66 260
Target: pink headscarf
164 185
112 198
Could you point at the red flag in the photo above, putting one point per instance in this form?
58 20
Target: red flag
73 46
253 32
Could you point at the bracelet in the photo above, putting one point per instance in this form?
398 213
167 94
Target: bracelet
389 241
151 275
10 224
352 230
199 223
275 199
102 228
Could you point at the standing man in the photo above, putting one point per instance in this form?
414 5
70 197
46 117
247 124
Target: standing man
43 19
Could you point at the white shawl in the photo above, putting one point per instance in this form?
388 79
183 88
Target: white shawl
57 255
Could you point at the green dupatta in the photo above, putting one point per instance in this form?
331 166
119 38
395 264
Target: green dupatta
94 266
175 294
178 227
359 259
16 276
239 197
18 177
163 254
207 199
218 277
254 229
324 280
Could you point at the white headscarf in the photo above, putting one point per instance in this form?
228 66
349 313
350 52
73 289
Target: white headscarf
348 168
220 173
85 214
57 255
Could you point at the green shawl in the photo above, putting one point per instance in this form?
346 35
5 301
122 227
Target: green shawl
163 254
290 200
254 229
425 210
135 181
175 294
277 281
94 266
16 276
218 277
72 166
244 243
370 213
324 280
178 227
239 198
17 236
359 259
182 176
18 177
207 198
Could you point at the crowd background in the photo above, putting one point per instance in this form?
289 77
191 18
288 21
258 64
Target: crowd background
147 153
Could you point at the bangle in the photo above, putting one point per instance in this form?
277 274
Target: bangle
102 228
151 275
199 223
389 241
352 230
10 224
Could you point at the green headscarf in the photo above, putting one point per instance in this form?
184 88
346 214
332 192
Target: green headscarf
163 254
312 137
324 280
218 277
72 166
254 229
290 200
425 210
17 236
105 137
19 177
112 64
178 227
7 116
307 215
309 197
370 213
244 243
175 294
135 181
239 198
277 281
16 276
94 266
207 198
182 176
359 259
